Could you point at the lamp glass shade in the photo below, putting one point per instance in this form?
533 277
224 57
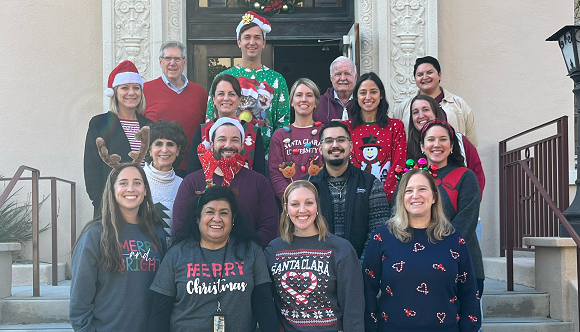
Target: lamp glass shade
566 41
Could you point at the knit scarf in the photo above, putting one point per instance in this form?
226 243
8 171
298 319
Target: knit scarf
369 164
229 166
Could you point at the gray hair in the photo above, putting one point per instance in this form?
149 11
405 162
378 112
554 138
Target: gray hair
341 59
172 43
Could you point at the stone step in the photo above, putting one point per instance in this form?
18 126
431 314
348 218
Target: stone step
526 325
22 274
524 269
56 327
523 302
22 308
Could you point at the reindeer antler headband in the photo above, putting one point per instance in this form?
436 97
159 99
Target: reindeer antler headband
114 160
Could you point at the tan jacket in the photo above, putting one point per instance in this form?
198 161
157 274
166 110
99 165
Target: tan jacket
459 115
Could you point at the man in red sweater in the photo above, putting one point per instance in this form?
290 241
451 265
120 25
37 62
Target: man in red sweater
172 97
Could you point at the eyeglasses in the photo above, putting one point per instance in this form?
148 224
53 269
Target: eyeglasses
339 140
174 58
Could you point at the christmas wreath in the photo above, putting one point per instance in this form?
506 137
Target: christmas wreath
270 7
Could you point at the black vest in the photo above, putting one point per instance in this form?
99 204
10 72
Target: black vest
358 189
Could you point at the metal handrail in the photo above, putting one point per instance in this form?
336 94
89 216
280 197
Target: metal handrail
517 193
563 220
4 197
35 227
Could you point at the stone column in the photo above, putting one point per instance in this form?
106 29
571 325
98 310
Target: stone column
6 250
555 266
393 34
134 30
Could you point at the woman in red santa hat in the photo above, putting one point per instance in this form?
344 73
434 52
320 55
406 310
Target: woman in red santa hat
117 127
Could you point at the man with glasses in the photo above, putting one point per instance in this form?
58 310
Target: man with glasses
353 202
172 97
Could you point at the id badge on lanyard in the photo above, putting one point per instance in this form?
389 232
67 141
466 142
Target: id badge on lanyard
219 320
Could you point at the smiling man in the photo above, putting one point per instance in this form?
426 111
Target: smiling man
172 97
265 92
221 166
337 101
353 202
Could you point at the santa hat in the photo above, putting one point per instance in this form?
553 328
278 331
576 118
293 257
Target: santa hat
266 89
124 73
222 121
248 87
251 17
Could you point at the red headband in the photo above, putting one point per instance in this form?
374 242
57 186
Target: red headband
434 122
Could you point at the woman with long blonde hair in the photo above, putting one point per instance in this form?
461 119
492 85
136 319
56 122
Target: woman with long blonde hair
420 265
117 127
307 254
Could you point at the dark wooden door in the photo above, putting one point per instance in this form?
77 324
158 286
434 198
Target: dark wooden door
208 60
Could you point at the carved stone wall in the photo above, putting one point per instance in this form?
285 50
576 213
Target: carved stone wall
393 34
134 30
368 36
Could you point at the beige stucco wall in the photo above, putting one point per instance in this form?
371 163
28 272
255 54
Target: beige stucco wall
51 85
493 55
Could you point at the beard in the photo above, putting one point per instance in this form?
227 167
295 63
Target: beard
335 162
219 153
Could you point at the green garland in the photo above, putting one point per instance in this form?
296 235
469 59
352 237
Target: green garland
270 7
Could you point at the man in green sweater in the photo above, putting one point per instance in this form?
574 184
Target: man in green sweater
270 108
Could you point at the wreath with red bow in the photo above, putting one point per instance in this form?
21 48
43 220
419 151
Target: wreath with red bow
270 7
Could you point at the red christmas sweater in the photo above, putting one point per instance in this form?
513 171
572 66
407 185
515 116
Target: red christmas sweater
187 107
379 151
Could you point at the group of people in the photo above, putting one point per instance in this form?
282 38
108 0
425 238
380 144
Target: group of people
298 211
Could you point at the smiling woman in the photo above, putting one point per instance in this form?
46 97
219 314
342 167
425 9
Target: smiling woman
215 272
118 253
294 148
418 262
168 140
117 127
307 252
458 186
380 143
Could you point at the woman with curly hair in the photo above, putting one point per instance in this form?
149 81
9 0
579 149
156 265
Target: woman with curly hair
166 151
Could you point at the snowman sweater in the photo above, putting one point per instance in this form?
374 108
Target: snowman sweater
424 286
379 150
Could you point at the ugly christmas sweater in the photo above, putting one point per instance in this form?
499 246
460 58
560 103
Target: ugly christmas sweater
318 284
379 150
424 286
298 145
